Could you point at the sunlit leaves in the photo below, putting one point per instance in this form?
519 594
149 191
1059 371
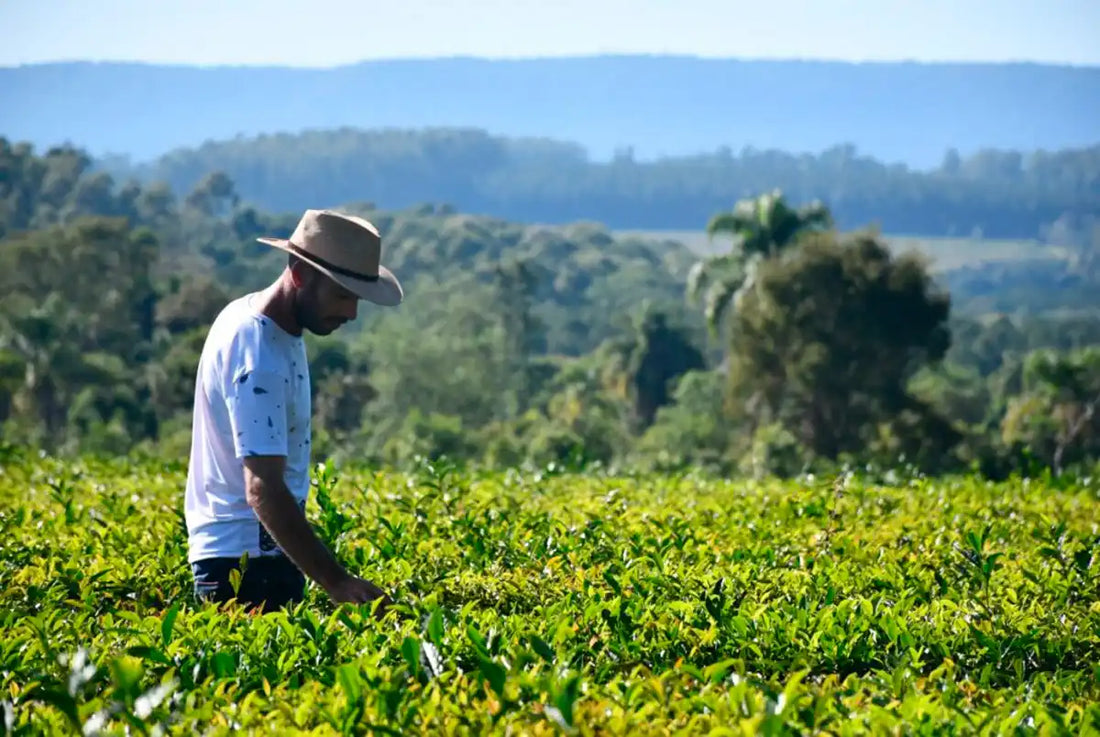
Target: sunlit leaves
550 603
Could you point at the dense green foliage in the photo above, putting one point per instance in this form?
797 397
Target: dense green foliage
999 194
528 345
644 604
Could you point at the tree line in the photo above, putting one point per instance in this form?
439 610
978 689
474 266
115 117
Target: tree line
992 193
801 347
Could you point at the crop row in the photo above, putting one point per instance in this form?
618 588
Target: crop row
550 602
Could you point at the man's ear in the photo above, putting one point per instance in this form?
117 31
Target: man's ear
299 273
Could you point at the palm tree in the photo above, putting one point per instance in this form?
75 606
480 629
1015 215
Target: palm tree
762 227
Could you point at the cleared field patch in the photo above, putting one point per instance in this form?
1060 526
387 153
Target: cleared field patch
944 253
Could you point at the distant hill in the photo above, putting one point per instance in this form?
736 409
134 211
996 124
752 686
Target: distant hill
991 194
910 113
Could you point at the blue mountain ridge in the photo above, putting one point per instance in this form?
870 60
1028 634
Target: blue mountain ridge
653 106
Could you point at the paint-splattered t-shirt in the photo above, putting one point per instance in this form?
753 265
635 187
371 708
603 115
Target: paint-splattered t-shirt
251 398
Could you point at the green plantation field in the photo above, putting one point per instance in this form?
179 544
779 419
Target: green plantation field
550 603
944 254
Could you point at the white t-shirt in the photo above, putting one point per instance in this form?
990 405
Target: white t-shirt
252 397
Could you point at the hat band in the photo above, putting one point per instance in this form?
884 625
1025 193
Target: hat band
331 266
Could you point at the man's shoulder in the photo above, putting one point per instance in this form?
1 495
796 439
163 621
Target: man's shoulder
243 340
236 322
231 333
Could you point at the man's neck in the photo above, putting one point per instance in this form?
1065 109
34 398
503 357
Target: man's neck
276 302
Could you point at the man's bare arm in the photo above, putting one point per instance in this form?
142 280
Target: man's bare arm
278 511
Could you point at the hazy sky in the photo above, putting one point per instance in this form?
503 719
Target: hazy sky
330 32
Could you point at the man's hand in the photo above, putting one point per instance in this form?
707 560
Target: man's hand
355 590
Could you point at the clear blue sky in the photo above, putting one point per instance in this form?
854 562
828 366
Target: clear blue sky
332 32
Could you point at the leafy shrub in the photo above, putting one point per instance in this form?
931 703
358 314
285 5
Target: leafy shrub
548 601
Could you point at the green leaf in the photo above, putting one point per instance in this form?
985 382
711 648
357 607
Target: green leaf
168 623
1082 560
410 649
477 640
435 627
612 582
494 673
544 650
347 676
223 664
566 698
148 653
716 672
235 581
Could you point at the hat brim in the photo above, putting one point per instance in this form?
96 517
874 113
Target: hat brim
385 291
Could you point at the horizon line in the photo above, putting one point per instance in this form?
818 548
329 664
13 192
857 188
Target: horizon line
586 56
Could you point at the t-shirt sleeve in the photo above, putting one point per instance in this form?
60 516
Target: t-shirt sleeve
257 404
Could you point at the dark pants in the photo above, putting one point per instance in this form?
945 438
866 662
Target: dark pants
270 581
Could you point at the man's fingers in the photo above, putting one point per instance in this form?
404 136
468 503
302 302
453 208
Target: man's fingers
364 592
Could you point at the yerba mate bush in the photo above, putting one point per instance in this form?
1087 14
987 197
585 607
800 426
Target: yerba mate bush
563 604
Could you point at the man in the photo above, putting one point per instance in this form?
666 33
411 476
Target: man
248 479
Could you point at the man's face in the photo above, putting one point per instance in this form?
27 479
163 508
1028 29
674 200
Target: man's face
320 304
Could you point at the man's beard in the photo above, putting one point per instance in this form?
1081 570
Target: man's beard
307 318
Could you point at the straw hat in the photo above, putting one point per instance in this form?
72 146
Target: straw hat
345 248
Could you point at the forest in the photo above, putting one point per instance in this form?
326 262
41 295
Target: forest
1034 195
804 346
